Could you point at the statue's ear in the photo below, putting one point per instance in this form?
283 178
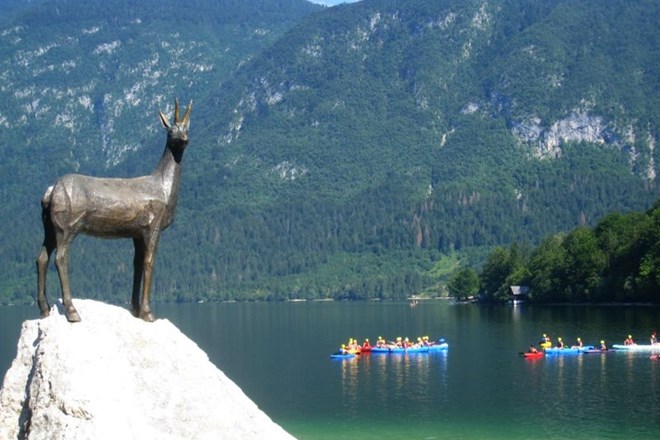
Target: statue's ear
186 117
164 120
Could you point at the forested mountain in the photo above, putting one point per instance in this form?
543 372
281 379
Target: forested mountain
335 152
616 260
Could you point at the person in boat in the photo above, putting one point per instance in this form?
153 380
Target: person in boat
578 343
545 341
425 341
366 345
629 341
343 349
560 343
406 343
654 338
380 342
399 342
532 349
603 346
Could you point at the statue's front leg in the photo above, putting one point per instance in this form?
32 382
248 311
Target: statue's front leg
145 307
138 269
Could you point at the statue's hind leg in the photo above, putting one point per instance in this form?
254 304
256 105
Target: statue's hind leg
42 265
42 269
62 263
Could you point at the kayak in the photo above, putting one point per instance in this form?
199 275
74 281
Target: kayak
557 350
438 347
410 350
599 351
568 350
538 354
342 355
637 347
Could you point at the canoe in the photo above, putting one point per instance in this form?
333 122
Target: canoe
599 351
557 350
568 350
438 347
411 350
538 354
637 347
342 356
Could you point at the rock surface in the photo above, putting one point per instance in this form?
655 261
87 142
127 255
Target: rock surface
113 376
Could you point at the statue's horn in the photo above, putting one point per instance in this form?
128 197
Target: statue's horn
176 111
164 120
186 116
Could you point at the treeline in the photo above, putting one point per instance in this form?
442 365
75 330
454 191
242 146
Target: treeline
617 260
376 245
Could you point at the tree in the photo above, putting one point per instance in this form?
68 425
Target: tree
463 284
585 264
503 268
545 269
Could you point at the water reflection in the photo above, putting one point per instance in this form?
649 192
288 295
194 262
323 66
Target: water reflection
394 381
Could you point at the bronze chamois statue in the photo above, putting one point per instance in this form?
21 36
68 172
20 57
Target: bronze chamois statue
138 208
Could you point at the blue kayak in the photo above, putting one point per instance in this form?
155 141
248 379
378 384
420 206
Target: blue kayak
411 350
599 351
568 350
342 356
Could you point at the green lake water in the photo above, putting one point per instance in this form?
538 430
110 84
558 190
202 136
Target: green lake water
279 354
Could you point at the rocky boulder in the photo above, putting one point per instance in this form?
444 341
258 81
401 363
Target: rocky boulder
113 376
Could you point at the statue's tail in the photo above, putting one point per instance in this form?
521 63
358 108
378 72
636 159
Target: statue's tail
45 200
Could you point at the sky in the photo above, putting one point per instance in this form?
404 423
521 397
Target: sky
332 2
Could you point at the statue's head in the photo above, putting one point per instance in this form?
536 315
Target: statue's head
177 133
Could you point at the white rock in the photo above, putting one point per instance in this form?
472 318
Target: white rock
113 376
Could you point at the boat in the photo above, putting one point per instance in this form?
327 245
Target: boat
411 350
339 355
546 344
637 347
535 355
568 350
599 351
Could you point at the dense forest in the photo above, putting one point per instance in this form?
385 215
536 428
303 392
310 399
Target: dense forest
362 151
617 260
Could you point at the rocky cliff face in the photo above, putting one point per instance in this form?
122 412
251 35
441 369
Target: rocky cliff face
116 377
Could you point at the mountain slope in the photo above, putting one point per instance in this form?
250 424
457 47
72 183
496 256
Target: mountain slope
81 85
441 126
343 155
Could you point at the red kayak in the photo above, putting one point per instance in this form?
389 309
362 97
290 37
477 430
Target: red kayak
538 354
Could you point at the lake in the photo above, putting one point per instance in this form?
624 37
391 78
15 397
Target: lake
279 354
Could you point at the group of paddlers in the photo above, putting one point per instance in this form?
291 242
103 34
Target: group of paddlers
352 346
546 342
